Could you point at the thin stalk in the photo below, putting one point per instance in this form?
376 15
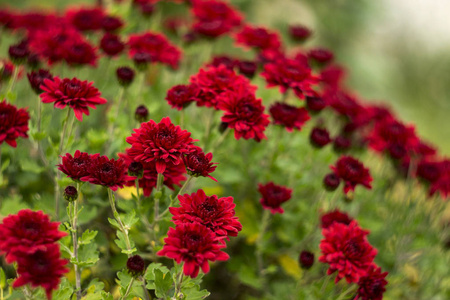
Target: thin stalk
178 283
63 133
13 80
128 288
141 85
112 202
39 114
208 128
159 184
74 217
174 199
348 291
285 96
146 294
182 118
260 241
138 196
221 139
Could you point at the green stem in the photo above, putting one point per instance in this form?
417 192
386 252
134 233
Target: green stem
260 241
208 128
128 288
174 199
39 114
140 86
348 291
123 229
221 139
13 80
178 283
63 133
159 185
182 118
74 217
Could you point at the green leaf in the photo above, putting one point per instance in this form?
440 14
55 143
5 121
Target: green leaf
195 293
149 273
5 164
2 279
87 255
87 237
38 136
114 223
64 291
163 283
130 219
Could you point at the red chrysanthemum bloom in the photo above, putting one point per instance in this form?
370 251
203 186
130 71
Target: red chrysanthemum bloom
198 163
372 286
273 196
333 76
27 232
214 81
156 46
111 44
329 218
227 61
299 33
315 104
6 70
77 166
180 96
79 52
160 142
244 113
13 123
321 55
258 37
352 172
344 103
75 93
342 143
290 73
85 19
319 137
214 18
247 68
195 245
215 213
331 182
107 172
42 268
36 79
111 23
442 184
346 249
289 116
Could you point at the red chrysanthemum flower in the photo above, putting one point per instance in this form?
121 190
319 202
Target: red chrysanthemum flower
85 19
215 213
77 166
344 103
372 286
111 23
319 137
333 76
42 268
156 46
75 93
160 142
111 44
214 18
247 68
342 143
244 113
198 163
258 37
227 61
346 249
315 104
352 172
110 173
13 123
321 55
290 73
180 96
273 196
27 232
442 184
195 245
331 182
334 216
214 81
299 33
79 52
36 79
289 116
306 259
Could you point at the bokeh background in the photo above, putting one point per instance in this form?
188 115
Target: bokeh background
396 51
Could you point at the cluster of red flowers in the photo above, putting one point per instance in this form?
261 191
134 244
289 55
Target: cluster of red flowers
30 240
346 249
203 224
13 123
352 172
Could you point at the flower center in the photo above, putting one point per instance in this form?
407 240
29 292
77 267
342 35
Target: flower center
353 249
193 241
208 209
165 138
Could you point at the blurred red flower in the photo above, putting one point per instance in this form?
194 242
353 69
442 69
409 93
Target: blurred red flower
13 123
372 286
352 172
273 196
289 116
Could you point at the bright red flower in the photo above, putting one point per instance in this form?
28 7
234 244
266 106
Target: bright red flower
180 96
85 19
258 37
442 184
195 245
372 286
27 232
42 268
107 172
215 213
13 123
244 113
334 216
111 44
75 93
289 116
346 249
273 196
214 18
156 46
161 142
352 172
77 166
198 163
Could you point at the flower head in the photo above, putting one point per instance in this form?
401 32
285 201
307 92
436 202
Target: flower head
136 265
331 182
319 137
372 286
110 173
85 19
125 76
215 213
306 259
111 44
273 196
258 37
111 24
70 193
334 216
195 245
299 33
141 113
180 96
315 104
75 93
289 116
77 166
198 163
321 55
352 172
13 123
36 79
247 68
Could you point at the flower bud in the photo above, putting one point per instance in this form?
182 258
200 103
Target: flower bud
306 259
70 193
141 113
331 182
136 169
136 265
125 76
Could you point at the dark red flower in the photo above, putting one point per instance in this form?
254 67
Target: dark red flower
334 216
180 96
372 286
70 193
125 76
42 268
215 213
321 55
111 24
227 61
160 142
79 52
352 172
6 70
333 76
273 196
27 232
85 19
289 116
214 18
306 259
198 163
315 103
258 37
75 93
397 151
36 79
331 182
107 172
111 44
299 33
341 143
195 245
389 131
77 166
136 265
13 123
141 113
136 169
346 249
244 113
442 184
319 137
247 68
18 53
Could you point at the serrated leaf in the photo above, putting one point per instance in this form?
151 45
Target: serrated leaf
87 237
130 219
114 223
195 293
87 255
149 273
64 291
163 283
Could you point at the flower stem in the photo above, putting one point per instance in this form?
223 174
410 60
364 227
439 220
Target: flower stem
174 199
179 281
208 126
220 140
39 114
13 80
73 216
123 229
348 291
128 289
260 241
182 118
